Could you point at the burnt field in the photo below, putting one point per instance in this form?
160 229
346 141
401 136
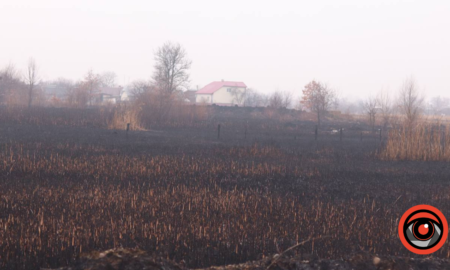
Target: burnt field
185 194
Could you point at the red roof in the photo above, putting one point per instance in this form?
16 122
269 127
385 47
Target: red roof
214 86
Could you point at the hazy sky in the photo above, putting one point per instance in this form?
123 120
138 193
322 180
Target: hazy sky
357 47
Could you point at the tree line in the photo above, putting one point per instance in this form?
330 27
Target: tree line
171 78
408 105
18 89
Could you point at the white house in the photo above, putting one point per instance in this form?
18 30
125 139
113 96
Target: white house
224 93
124 96
107 95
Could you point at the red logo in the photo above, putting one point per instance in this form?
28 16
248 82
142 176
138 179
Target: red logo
423 229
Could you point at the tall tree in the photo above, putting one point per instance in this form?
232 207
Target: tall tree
31 79
91 85
370 108
385 107
318 98
108 79
171 68
170 75
410 102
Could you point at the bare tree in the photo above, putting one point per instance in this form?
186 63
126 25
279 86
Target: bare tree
318 98
385 107
139 87
255 99
9 73
171 68
108 79
238 95
280 100
437 104
91 85
370 108
77 95
276 100
286 99
410 102
31 79
9 83
171 75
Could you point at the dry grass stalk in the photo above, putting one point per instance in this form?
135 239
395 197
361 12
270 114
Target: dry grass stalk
426 142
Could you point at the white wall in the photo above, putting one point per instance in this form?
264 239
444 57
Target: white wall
222 96
203 98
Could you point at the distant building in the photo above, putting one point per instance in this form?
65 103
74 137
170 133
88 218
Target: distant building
189 96
124 96
225 93
55 90
109 95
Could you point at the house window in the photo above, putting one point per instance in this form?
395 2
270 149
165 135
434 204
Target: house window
228 90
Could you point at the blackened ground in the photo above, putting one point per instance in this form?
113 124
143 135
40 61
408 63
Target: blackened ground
187 195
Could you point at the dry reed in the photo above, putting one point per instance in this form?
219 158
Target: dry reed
426 142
